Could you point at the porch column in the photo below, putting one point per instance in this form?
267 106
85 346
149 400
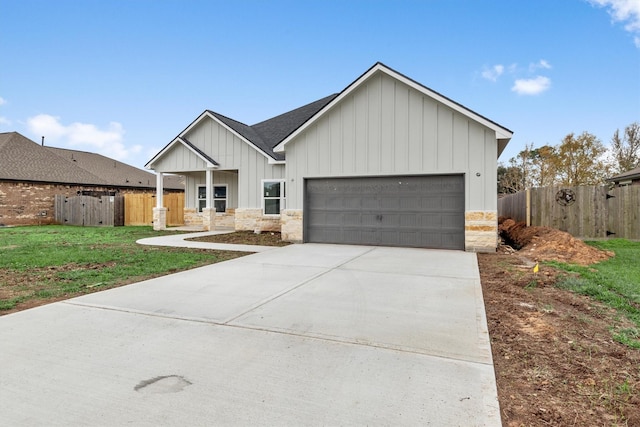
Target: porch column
209 212
209 182
159 212
159 189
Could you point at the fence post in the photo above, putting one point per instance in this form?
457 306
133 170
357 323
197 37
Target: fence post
528 206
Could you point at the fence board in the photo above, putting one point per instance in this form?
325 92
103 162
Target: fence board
84 210
138 208
513 206
592 215
174 202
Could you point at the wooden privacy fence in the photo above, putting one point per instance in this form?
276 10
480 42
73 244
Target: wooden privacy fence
585 211
138 208
89 211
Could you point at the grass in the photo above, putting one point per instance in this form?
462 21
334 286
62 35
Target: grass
615 282
41 264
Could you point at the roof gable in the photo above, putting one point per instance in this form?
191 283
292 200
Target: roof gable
502 134
262 136
185 144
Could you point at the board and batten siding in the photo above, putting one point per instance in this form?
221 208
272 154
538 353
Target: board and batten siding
385 127
219 177
232 153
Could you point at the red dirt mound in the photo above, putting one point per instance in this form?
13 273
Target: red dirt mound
549 244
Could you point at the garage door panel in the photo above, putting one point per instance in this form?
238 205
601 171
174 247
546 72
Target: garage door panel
414 211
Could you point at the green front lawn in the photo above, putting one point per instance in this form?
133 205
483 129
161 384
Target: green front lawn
48 263
616 282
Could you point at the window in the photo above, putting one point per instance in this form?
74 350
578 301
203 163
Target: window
273 196
219 197
202 197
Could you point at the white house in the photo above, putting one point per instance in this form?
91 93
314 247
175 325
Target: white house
387 161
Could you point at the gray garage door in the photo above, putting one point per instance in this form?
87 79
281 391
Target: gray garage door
411 211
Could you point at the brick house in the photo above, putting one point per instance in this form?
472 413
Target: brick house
32 174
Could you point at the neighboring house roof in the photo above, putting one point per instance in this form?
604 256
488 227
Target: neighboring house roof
628 175
502 133
21 159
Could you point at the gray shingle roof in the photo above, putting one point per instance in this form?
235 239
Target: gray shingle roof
199 151
278 128
633 173
267 134
24 160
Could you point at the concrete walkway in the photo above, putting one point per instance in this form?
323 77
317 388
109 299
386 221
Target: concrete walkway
179 241
300 335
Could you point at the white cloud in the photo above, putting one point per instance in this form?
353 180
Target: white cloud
533 86
84 136
493 73
2 101
542 64
5 121
626 11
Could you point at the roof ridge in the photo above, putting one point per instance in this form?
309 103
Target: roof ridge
333 95
227 118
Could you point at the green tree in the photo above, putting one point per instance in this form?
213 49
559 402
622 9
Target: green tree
626 150
543 166
509 179
580 160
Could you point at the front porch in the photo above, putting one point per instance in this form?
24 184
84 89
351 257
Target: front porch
210 200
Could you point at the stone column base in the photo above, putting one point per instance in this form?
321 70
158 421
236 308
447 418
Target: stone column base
481 231
209 219
159 218
291 225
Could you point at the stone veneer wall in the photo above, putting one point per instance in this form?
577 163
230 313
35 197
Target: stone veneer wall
192 217
223 220
253 220
226 219
481 231
291 220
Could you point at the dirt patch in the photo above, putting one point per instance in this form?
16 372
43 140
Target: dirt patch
267 238
555 360
549 244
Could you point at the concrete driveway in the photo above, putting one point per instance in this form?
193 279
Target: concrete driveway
301 335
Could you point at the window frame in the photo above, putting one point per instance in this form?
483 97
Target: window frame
213 197
199 199
225 198
282 198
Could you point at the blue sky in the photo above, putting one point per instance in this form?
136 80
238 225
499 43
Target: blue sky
123 78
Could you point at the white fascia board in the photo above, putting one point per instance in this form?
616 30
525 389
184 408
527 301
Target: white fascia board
272 161
214 118
169 146
161 153
501 133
